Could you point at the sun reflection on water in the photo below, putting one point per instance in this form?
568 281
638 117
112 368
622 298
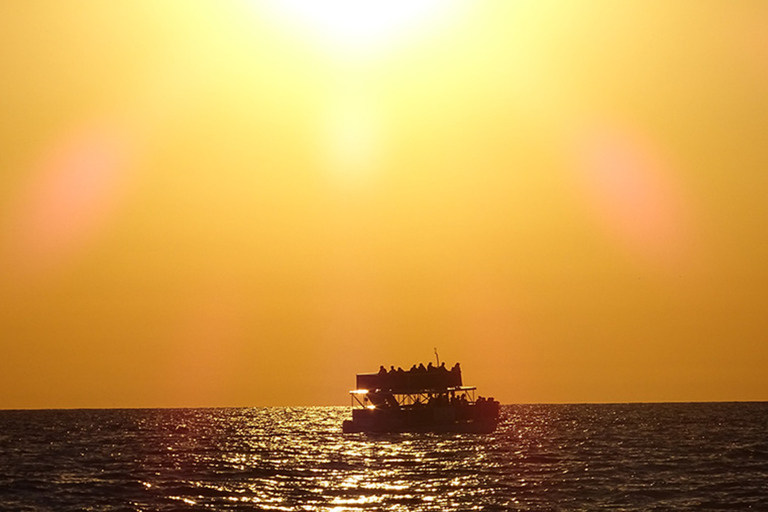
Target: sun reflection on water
541 458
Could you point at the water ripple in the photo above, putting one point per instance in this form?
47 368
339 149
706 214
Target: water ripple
542 457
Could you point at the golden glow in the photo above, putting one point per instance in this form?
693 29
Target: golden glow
72 190
352 142
630 188
355 27
245 203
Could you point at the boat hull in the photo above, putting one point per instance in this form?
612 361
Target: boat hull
468 419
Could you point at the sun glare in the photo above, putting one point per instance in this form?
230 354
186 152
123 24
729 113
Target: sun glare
359 26
352 141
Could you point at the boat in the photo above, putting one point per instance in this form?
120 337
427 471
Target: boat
422 399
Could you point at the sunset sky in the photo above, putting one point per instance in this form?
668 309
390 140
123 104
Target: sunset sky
244 203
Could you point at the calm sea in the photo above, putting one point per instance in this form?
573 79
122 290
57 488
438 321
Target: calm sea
702 456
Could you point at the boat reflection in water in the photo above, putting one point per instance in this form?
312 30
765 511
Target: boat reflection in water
431 399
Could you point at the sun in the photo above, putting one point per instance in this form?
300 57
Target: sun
351 38
359 27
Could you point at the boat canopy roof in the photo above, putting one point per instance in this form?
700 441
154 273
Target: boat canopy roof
410 381
456 388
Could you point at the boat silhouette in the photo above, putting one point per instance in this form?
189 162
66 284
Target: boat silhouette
422 399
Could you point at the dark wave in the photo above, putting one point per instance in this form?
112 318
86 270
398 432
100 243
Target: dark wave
623 457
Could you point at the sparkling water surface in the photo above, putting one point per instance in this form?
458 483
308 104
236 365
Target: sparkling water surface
704 456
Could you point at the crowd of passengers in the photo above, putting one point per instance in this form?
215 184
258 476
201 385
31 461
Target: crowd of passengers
420 369
436 399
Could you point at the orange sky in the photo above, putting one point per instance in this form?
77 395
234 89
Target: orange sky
236 203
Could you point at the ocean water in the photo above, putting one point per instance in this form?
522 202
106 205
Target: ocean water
701 456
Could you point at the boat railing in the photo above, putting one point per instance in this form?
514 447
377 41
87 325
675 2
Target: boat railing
378 399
